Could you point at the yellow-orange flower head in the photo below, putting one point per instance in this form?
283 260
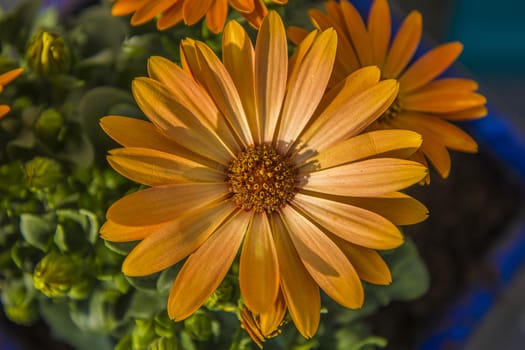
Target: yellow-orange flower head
250 155
425 103
171 12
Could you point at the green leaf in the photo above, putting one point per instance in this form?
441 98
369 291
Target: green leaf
96 314
166 278
37 230
144 305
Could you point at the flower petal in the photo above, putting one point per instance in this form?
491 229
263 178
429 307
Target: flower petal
353 224
441 101
366 178
296 34
176 121
204 270
299 289
404 45
153 168
171 16
369 265
216 16
357 30
429 66
148 11
467 114
379 30
243 5
258 266
306 87
111 231
450 85
193 12
348 115
163 203
125 7
380 143
256 17
9 76
239 59
170 243
271 71
325 262
194 98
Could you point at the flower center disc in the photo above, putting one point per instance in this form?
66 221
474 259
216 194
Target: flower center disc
261 179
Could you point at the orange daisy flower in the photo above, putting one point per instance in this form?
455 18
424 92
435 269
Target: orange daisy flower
171 12
5 79
250 154
424 104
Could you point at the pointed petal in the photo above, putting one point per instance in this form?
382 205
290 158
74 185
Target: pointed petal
381 143
190 94
271 71
441 101
379 30
216 16
178 122
111 231
154 168
299 289
258 266
450 85
271 319
353 224
243 5
404 45
325 262
467 114
170 17
125 7
4 109
175 240
429 66
357 30
148 11
369 265
366 178
9 76
450 135
349 114
239 59
296 34
193 12
163 203
306 87
437 154
214 76
204 270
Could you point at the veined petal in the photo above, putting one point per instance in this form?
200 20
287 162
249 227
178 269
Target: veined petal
163 203
193 12
306 87
383 143
357 30
153 168
299 289
450 135
214 76
467 114
379 30
148 11
300 52
176 121
369 265
171 16
325 262
271 71
348 115
429 66
111 231
353 224
441 101
450 85
366 178
404 45
204 270
193 97
216 16
258 267
239 59
175 240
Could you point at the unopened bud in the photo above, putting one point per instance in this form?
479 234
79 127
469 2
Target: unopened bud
48 54
42 173
198 325
56 274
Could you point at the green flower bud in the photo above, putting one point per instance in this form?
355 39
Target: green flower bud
42 173
56 274
49 127
48 54
198 325
19 303
221 297
164 344
143 334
